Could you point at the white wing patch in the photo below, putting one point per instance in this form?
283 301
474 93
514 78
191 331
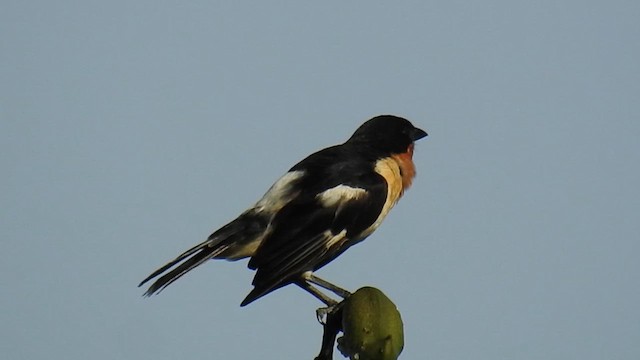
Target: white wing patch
280 193
340 194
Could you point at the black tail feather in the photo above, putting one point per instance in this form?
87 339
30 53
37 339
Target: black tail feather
173 262
194 257
231 242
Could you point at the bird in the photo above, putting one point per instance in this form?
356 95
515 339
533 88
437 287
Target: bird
326 203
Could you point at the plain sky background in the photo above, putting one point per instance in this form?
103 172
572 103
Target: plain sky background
131 130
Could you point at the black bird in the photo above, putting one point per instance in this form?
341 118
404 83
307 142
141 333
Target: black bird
324 204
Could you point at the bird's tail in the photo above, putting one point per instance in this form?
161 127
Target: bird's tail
194 257
234 241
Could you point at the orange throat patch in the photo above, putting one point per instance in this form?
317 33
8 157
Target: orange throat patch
407 168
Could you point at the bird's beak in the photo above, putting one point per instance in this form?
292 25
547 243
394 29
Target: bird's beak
417 134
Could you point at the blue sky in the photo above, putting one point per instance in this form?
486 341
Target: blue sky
130 131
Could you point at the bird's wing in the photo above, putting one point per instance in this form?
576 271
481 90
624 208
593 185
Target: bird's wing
316 227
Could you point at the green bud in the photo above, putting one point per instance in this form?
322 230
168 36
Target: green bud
372 327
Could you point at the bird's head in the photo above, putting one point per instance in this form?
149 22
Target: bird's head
388 133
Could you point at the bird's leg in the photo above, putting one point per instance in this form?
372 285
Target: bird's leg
315 292
310 277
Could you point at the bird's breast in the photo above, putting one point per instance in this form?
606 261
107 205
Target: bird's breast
407 168
389 168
